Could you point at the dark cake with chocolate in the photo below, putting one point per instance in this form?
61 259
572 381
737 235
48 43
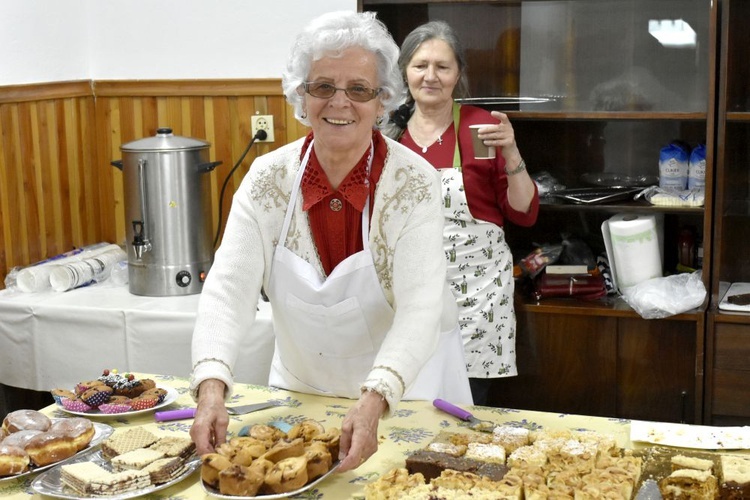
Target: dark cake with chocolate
432 463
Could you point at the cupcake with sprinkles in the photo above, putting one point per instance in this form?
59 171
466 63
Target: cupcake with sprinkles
125 384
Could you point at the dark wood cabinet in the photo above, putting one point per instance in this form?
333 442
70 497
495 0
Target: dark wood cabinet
728 334
592 94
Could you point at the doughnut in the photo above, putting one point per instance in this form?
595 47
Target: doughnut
287 475
211 465
79 429
20 439
50 447
13 460
22 420
239 480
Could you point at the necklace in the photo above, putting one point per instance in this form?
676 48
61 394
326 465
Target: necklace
424 148
439 139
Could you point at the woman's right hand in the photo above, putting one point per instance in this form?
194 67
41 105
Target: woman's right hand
211 420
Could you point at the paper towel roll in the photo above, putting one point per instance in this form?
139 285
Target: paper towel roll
633 247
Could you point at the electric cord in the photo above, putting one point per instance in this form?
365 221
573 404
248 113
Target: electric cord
259 135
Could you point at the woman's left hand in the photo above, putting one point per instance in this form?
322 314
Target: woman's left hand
501 136
359 431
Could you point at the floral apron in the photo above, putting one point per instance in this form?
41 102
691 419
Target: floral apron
480 275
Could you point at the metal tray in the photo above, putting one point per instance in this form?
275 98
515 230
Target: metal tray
597 195
50 482
101 432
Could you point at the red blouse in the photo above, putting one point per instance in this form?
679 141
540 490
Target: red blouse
335 215
485 181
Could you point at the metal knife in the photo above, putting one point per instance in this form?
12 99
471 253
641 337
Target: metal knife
163 416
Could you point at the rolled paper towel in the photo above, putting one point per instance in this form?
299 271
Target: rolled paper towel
633 248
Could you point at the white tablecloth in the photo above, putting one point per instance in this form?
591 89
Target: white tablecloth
51 339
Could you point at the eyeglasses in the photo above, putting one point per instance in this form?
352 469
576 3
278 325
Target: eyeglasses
358 93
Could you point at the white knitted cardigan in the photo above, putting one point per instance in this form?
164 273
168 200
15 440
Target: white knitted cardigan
406 236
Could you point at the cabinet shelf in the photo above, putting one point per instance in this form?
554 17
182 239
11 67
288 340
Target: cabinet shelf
738 116
603 115
611 306
634 206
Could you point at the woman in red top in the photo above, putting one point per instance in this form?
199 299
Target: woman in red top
479 196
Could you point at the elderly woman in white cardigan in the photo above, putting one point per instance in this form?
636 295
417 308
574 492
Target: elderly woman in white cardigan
343 230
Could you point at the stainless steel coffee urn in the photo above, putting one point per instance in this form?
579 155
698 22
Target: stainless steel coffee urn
167 213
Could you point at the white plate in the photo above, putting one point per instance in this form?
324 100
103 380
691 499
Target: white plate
101 432
216 494
171 397
51 484
691 436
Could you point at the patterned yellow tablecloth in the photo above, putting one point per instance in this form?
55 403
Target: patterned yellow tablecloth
415 424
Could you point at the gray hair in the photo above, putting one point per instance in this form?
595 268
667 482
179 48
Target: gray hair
439 30
332 33
434 30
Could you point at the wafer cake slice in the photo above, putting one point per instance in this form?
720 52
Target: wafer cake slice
78 476
165 469
174 446
119 482
128 440
135 459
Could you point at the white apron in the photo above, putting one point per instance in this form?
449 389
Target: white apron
480 274
328 331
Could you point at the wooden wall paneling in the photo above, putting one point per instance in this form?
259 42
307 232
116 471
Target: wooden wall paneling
57 187
29 177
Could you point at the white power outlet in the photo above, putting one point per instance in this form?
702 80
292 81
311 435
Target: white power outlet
262 122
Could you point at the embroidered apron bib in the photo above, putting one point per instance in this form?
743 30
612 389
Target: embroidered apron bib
480 275
329 330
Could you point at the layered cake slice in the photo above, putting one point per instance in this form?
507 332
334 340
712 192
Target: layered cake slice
165 469
79 476
128 440
689 484
135 459
119 482
735 477
174 446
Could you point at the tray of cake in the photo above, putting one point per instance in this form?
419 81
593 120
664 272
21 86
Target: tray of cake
130 463
514 462
31 442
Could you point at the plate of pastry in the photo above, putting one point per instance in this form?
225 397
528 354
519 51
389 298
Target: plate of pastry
33 442
94 476
267 462
293 490
114 394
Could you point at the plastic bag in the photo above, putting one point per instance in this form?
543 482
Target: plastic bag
662 297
